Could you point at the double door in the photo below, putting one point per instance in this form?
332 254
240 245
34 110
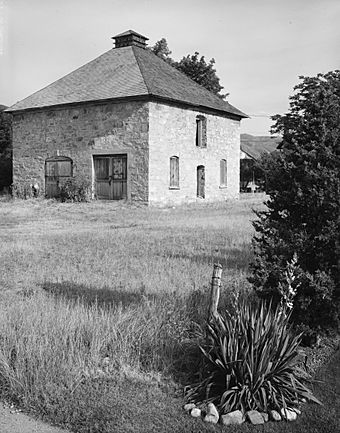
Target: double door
110 176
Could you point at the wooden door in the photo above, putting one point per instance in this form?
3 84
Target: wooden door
111 177
200 181
56 169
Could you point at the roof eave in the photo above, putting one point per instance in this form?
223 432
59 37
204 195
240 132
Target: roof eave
76 103
144 97
198 106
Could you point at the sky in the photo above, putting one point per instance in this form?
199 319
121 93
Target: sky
260 47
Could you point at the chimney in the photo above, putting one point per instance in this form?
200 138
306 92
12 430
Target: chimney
130 38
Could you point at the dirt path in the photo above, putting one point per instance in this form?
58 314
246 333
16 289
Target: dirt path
17 422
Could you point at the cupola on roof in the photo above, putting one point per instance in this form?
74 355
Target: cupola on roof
130 38
127 71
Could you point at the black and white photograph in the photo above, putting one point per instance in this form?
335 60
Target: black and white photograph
169 216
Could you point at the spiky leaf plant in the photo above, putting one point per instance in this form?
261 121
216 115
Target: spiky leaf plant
251 362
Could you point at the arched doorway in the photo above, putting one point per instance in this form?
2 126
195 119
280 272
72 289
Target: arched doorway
56 168
201 181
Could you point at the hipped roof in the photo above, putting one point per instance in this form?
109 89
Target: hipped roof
126 72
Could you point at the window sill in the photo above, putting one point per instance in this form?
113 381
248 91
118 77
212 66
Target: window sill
223 186
174 187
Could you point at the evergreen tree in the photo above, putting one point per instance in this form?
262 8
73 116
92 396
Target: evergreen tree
303 214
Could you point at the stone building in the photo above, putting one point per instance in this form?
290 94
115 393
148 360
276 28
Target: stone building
135 126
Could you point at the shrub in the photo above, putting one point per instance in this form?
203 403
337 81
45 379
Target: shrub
6 175
251 362
24 191
75 189
302 216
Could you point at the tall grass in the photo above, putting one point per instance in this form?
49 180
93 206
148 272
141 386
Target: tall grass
97 294
51 345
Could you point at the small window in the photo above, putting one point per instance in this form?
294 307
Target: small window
201 131
174 172
223 172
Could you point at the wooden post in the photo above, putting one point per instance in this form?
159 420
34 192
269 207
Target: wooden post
215 291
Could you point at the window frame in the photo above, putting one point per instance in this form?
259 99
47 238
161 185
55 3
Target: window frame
201 131
174 172
223 173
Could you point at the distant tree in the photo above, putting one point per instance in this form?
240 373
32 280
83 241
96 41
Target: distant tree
202 72
161 50
193 66
303 210
5 128
5 149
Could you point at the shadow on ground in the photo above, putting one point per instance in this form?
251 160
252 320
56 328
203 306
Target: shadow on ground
105 297
229 259
179 319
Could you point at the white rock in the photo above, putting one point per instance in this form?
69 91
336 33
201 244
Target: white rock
212 410
265 416
254 417
275 416
288 414
212 414
196 412
235 417
189 406
211 418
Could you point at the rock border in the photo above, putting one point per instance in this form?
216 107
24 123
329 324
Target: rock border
237 417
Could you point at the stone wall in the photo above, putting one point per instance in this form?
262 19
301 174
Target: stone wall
172 132
79 133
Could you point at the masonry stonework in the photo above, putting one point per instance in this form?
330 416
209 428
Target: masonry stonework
80 132
172 132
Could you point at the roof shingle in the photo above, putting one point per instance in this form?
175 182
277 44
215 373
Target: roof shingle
121 73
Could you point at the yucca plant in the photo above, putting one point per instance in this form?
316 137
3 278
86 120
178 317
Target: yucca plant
251 362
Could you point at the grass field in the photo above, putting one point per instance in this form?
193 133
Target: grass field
101 305
107 246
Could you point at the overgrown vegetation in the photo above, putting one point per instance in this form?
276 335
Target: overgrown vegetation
108 298
24 191
5 149
75 189
252 362
303 182
100 323
48 342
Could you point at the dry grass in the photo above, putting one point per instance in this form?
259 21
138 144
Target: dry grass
127 248
111 293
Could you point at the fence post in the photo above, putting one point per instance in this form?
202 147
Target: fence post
215 291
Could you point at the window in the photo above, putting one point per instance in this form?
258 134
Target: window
223 172
201 131
201 181
174 172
